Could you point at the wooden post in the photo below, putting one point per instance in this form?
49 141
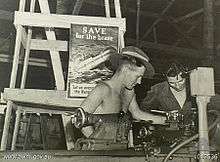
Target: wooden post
23 79
77 7
27 49
208 32
55 57
202 86
138 22
118 15
155 34
16 129
107 8
13 79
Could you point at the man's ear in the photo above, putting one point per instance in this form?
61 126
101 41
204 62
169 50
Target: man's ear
125 68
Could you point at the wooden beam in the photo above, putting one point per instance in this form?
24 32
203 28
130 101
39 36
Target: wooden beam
129 9
45 45
177 51
51 98
183 34
152 14
77 7
158 19
189 30
43 109
54 55
6 15
107 8
155 34
33 61
13 79
208 32
27 54
182 18
5 43
138 22
64 21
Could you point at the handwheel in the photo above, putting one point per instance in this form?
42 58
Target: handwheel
78 118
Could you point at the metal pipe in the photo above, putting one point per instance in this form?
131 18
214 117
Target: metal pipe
192 138
202 102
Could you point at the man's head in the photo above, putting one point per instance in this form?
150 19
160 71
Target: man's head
175 76
134 64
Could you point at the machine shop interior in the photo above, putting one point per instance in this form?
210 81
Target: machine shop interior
41 106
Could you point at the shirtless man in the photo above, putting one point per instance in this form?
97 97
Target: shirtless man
117 94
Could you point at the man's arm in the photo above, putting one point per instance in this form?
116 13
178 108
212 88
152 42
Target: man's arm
92 102
141 115
150 101
95 98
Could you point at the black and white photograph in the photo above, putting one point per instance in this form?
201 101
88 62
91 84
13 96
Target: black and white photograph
110 80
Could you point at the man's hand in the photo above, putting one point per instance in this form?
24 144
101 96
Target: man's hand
157 119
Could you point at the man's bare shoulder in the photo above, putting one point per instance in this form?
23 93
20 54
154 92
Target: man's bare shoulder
103 88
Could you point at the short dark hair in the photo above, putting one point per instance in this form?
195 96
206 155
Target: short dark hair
176 68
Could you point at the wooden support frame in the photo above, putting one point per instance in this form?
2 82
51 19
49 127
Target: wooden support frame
138 22
63 21
32 61
23 79
55 57
53 98
49 22
13 80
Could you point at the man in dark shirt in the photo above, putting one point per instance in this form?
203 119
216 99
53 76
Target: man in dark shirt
170 95
173 95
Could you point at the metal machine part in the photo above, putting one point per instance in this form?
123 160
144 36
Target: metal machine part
81 118
151 138
165 137
110 130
